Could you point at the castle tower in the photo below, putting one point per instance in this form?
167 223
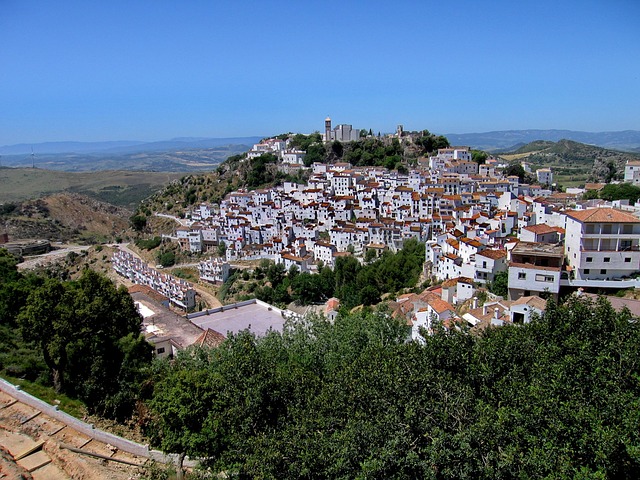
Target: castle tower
327 129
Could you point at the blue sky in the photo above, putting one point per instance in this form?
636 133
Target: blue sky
152 70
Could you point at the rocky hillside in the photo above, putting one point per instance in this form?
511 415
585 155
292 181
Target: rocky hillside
64 217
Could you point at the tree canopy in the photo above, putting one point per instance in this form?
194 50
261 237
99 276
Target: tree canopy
617 191
354 284
556 398
88 333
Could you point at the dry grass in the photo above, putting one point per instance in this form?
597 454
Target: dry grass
125 188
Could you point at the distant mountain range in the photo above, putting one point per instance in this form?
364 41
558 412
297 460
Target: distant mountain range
176 155
124 146
510 140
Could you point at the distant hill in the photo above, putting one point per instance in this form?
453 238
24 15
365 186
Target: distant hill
573 158
121 188
509 140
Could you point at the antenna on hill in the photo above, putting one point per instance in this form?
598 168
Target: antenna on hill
33 159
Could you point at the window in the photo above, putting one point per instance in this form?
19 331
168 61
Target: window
627 259
589 259
522 276
607 259
160 350
603 271
586 271
544 278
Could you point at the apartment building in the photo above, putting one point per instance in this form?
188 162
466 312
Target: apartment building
602 244
535 269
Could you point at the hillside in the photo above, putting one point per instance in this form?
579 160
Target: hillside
64 217
574 160
121 188
238 171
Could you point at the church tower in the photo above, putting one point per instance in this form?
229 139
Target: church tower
327 129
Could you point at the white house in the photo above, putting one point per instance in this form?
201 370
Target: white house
457 290
535 269
544 176
489 262
215 270
632 172
602 243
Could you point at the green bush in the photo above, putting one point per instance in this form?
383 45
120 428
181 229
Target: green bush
167 259
149 244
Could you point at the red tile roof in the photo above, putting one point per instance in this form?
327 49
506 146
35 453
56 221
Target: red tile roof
602 215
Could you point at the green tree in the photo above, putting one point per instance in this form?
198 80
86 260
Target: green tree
337 149
316 153
138 222
621 191
500 284
167 259
479 156
555 398
261 171
89 335
515 169
221 249
47 320
276 273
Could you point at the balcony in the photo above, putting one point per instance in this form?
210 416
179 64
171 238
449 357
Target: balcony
626 249
616 283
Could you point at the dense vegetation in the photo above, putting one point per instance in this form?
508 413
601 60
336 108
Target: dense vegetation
557 398
616 191
353 283
82 337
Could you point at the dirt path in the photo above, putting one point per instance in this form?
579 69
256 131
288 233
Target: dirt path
210 299
59 253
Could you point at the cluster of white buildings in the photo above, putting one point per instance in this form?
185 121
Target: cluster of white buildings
344 210
179 292
214 270
475 223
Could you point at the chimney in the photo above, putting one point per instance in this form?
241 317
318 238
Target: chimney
496 313
475 303
484 309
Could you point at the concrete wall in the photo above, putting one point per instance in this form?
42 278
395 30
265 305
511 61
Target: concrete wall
121 443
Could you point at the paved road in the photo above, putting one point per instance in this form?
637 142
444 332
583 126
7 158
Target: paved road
182 221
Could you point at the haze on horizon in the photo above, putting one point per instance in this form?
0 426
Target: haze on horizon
147 70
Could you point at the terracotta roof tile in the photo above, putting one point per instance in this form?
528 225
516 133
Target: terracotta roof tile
210 338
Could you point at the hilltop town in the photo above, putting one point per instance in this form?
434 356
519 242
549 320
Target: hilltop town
480 226
359 259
